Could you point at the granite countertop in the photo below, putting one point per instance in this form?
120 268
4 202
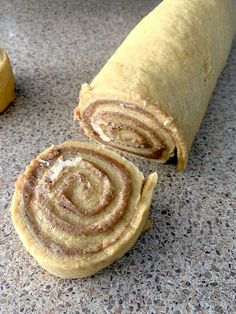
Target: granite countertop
185 262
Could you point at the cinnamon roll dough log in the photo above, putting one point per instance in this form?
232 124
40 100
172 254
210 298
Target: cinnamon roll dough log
78 207
150 97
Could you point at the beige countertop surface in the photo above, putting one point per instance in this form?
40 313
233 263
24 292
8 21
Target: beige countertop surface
186 262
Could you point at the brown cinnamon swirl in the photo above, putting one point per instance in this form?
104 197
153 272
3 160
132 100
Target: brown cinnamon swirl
78 207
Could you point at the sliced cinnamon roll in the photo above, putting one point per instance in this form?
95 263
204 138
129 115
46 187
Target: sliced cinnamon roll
78 207
150 97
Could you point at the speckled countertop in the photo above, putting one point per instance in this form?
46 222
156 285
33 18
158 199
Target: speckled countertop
185 263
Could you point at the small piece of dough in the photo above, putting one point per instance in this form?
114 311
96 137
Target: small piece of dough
7 81
78 207
150 97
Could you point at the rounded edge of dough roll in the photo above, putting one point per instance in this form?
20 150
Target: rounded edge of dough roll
7 81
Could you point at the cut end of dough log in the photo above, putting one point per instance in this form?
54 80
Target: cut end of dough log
134 128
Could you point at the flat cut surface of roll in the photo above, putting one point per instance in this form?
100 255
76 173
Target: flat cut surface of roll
7 82
150 97
78 207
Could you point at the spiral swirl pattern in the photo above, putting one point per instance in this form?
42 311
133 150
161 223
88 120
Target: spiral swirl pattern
78 207
131 127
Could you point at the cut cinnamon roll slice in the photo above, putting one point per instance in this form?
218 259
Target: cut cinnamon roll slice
150 97
78 207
